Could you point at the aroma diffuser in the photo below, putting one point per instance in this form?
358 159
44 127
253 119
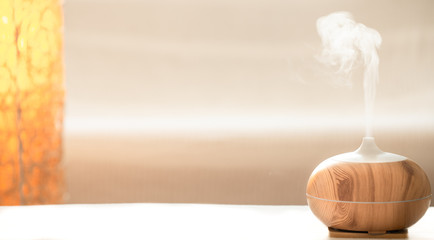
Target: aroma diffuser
368 190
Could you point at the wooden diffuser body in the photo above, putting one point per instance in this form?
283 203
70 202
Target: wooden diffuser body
368 190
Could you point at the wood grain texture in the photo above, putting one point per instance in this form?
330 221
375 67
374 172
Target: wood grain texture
368 196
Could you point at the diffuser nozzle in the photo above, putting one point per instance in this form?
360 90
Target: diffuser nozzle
369 148
368 152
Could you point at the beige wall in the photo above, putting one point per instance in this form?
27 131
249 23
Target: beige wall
222 101
268 168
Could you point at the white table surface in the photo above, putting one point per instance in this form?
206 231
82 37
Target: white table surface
172 221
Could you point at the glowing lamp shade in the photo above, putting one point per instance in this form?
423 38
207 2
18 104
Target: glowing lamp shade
31 102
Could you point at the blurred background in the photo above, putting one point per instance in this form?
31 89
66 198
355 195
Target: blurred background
223 101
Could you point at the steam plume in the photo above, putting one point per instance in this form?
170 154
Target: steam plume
344 43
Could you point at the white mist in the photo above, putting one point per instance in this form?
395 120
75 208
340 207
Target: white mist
346 42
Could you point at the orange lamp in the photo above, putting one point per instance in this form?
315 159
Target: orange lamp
31 102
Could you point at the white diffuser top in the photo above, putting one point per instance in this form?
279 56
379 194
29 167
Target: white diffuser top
368 152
